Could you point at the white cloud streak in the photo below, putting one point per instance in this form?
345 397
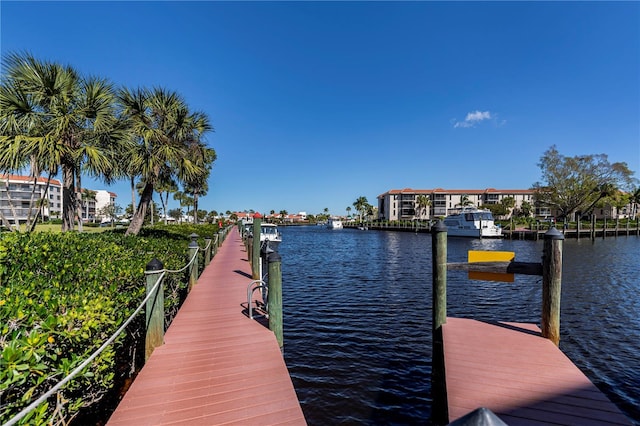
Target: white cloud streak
473 118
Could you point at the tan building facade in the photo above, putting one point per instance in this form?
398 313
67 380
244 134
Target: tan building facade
403 204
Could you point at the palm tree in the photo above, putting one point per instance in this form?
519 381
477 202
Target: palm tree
422 203
348 211
164 187
361 204
166 134
465 201
64 120
86 196
508 203
184 199
196 185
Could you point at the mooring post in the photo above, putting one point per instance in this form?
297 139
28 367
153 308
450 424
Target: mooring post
274 301
551 284
439 248
154 308
440 411
207 251
255 250
193 251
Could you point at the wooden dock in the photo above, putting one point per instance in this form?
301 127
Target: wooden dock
217 366
520 376
515 370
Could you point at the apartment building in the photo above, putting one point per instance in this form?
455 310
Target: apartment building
16 198
103 199
402 204
16 191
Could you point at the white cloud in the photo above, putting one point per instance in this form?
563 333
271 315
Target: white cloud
474 118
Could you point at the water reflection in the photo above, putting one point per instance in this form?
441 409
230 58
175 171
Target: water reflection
358 317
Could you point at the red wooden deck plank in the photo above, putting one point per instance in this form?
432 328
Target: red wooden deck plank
519 375
217 366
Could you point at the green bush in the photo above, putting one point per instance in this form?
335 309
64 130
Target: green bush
63 295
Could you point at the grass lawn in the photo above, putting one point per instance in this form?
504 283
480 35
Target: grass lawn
48 227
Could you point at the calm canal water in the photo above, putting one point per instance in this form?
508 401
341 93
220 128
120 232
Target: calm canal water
357 317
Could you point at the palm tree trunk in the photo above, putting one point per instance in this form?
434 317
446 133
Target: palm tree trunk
68 199
11 206
195 208
164 202
79 200
138 218
133 194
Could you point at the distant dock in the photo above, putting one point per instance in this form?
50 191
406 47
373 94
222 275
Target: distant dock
515 370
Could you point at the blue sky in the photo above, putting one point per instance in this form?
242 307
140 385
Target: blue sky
315 104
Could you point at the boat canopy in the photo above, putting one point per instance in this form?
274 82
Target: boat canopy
471 217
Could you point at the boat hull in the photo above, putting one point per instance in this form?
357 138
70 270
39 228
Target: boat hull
494 232
472 223
334 224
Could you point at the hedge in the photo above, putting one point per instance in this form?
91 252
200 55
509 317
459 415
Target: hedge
61 296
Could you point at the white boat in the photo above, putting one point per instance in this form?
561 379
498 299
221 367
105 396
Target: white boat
333 223
472 222
269 233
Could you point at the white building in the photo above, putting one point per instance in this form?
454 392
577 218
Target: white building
103 199
18 191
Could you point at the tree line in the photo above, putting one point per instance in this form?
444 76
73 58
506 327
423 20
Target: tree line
55 120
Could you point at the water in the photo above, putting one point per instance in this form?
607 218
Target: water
357 317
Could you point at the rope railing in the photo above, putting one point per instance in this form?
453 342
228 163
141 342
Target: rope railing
175 271
93 356
208 244
150 293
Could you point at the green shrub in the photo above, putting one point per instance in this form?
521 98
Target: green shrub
62 295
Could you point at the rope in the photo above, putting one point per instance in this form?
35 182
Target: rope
207 247
172 271
79 368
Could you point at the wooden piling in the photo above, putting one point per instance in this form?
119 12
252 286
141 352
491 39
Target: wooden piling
255 249
440 414
207 251
154 308
193 269
274 301
551 284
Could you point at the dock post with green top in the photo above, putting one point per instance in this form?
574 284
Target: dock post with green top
255 249
193 251
440 412
274 301
154 308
